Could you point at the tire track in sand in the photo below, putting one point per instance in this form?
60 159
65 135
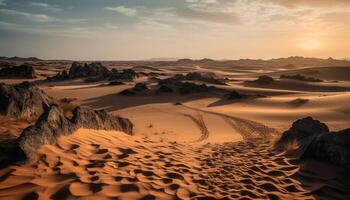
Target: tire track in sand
250 130
199 121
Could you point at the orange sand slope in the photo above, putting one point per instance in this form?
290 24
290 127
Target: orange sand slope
100 165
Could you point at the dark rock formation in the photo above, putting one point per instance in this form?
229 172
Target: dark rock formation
116 83
138 88
60 76
95 69
235 95
23 101
52 124
317 142
164 89
204 77
172 81
333 147
302 131
263 80
126 74
300 78
22 71
190 88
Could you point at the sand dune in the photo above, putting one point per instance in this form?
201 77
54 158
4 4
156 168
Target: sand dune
101 164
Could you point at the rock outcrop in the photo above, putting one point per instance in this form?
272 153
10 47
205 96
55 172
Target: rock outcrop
126 74
52 124
22 71
190 88
300 77
315 141
263 80
138 88
24 100
96 69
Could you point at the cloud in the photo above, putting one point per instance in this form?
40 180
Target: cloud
30 16
2 3
295 3
123 10
53 8
110 26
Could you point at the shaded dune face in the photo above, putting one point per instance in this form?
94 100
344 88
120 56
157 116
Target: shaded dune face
106 164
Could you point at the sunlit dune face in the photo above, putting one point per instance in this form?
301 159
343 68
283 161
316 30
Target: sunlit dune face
311 44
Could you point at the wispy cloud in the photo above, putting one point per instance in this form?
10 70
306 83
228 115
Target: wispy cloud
46 6
123 10
41 18
30 16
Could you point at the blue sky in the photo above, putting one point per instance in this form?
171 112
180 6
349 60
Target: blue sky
141 29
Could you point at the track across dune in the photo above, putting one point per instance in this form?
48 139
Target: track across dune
201 125
250 130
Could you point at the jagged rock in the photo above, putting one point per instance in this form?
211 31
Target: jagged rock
235 95
264 80
300 78
176 80
95 69
204 77
140 87
48 128
189 88
52 124
333 147
302 131
60 76
24 100
116 83
126 74
22 71
164 89
100 120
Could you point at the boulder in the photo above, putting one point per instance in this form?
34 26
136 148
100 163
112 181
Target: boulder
126 74
264 80
302 131
24 100
332 147
140 87
60 76
22 71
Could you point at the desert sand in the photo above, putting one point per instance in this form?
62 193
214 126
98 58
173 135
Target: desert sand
196 146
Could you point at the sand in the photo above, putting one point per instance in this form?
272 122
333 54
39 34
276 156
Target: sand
198 146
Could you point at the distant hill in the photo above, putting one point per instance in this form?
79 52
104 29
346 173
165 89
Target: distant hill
290 62
20 59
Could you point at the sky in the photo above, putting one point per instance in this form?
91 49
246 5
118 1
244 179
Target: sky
144 29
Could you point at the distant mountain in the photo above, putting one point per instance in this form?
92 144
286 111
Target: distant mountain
290 62
20 59
163 59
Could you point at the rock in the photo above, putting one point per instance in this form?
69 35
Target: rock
52 124
301 78
235 95
333 147
176 80
100 120
264 80
126 74
22 71
164 89
49 127
204 77
302 131
94 69
60 76
116 83
140 87
190 88
24 100
127 92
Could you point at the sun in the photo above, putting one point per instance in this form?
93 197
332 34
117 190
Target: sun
311 44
